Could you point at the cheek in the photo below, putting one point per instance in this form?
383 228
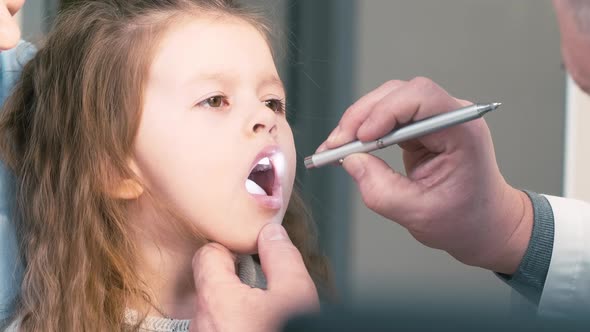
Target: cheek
177 163
191 177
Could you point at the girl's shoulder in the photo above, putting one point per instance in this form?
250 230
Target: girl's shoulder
11 64
17 56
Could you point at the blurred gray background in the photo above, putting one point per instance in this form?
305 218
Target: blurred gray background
483 51
331 52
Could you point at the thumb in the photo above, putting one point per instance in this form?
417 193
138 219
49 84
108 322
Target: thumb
281 262
214 264
383 190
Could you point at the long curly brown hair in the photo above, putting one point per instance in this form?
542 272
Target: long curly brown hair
67 133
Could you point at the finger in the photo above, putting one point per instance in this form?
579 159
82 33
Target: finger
13 5
323 147
355 115
383 190
212 264
281 262
463 102
9 29
419 99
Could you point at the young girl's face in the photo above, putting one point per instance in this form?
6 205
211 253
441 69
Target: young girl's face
213 140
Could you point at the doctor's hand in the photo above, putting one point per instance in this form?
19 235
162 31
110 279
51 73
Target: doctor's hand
224 303
452 196
9 29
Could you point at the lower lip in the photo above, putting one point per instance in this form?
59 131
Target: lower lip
268 202
274 202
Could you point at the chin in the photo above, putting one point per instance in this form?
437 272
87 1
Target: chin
243 248
243 239
243 243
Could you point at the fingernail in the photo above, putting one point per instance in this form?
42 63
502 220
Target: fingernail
274 232
334 135
321 148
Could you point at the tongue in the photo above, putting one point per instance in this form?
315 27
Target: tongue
254 188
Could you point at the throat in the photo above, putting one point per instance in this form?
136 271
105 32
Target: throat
264 179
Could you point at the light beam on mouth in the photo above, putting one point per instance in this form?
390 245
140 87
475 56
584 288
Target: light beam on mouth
262 178
264 181
278 161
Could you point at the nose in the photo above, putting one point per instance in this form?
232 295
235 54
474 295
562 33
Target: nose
263 120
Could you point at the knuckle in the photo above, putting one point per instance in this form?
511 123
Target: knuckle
349 116
424 83
391 84
375 117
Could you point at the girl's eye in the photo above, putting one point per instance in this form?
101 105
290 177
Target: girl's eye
214 102
276 105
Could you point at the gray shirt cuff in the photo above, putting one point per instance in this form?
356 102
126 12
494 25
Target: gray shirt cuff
529 278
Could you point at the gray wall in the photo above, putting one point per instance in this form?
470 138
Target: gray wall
483 51
36 18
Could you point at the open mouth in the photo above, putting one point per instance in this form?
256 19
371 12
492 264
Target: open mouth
262 178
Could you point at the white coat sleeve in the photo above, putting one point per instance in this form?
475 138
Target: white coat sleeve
567 288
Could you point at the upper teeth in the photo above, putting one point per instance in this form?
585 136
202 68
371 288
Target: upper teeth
262 165
264 161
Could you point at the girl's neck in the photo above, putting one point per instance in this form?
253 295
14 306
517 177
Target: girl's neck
169 276
164 264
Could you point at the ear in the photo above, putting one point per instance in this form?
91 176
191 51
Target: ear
128 189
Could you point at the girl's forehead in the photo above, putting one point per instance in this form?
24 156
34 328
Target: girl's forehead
205 35
208 45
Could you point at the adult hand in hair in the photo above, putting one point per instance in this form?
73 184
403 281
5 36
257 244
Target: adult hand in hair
9 28
224 303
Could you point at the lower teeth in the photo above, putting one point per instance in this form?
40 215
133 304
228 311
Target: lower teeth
253 188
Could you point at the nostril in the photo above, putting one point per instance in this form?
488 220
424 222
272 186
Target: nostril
258 127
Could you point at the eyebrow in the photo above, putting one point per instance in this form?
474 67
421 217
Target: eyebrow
270 80
273 80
